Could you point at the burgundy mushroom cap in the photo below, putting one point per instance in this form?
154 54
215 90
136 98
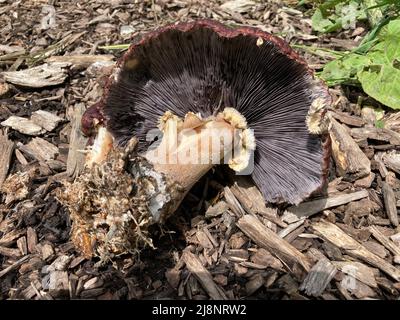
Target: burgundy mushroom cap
204 67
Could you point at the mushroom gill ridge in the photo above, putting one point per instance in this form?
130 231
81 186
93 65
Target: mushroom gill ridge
205 67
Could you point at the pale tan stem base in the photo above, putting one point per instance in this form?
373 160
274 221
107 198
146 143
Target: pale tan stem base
192 152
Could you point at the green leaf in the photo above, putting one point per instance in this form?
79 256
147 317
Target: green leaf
380 78
321 24
334 15
381 82
378 71
344 69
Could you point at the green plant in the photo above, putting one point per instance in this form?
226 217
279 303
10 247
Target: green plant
377 69
334 15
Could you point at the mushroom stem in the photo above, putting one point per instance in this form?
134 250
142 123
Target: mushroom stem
189 149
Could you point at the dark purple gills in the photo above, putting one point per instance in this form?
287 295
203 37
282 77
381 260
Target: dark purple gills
200 71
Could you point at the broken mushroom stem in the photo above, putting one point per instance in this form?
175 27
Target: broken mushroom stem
189 148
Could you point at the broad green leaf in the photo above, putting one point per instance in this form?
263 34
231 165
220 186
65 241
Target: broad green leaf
345 69
334 15
381 77
321 24
390 41
382 82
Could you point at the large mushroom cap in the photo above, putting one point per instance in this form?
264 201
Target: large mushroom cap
204 67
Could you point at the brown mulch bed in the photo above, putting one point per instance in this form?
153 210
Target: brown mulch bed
224 242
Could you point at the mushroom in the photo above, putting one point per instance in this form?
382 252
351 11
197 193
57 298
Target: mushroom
176 92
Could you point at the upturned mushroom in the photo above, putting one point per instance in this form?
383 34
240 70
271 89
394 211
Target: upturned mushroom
182 99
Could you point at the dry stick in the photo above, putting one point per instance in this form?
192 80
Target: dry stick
76 158
351 162
13 266
309 208
385 241
333 234
233 203
344 117
380 134
6 150
284 232
83 60
390 203
54 49
269 240
203 275
253 201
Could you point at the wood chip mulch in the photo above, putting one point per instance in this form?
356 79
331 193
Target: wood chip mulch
224 242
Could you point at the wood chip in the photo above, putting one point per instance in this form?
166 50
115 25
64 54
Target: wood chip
93 283
81 61
390 203
289 217
358 270
376 248
365 182
233 203
344 117
381 166
22 245
40 149
264 258
318 278
335 235
385 241
309 208
379 134
31 239
9 238
253 201
392 161
47 120
23 125
284 232
46 250
6 151
351 162
58 283
357 288
396 238
269 240
216 210
237 255
254 284
203 275
204 240
45 75
237 240
10 252
76 158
